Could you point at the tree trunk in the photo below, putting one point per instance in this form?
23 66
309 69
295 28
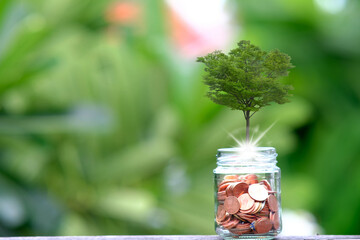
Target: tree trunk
247 118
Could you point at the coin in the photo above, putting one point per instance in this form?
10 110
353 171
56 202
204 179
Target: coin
263 225
247 205
229 190
276 220
240 188
265 211
252 210
266 184
242 178
231 177
246 202
258 192
273 203
262 206
221 196
246 217
221 213
223 186
225 182
232 205
232 223
251 179
227 218
241 228
237 216
259 207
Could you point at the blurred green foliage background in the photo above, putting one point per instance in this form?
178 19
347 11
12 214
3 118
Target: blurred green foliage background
104 127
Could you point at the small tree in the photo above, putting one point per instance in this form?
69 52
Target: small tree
247 79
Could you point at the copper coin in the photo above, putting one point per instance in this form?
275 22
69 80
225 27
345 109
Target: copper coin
273 203
234 231
259 207
239 232
229 191
262 206
266 207
226 183
221 213
251 179
264 213
258 192
232 223
247 217
237 216
246 202
232 205
227 219
240 188
266 184
223 186
263 225
250 210
275 218
221 195
231 177
241 228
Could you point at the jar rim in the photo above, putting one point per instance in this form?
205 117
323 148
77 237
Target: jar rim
253 155
269 150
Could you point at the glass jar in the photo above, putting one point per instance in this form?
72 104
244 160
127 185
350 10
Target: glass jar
247 193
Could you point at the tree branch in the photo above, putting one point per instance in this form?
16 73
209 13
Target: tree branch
237 98
252 114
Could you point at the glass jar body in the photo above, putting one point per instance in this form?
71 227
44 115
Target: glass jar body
247 194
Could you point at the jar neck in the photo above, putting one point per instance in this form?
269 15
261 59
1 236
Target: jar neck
259 157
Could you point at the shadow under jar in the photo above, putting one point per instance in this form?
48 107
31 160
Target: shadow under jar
247 193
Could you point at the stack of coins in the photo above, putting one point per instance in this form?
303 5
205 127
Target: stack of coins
247 205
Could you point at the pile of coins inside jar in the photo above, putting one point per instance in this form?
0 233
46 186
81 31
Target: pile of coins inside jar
247 205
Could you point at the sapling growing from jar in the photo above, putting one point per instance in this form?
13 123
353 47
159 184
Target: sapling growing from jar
247 78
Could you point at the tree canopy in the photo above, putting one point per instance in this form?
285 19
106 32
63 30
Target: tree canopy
247 78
